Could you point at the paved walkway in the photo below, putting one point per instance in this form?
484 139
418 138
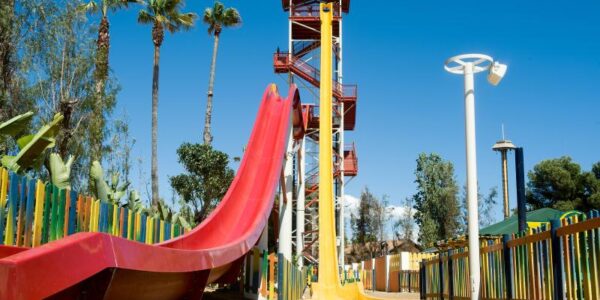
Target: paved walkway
233 295
399 296
381 295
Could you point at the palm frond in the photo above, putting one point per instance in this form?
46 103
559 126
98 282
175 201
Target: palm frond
90 7
231 18
218 17
218 9
144 17
115 5
207 17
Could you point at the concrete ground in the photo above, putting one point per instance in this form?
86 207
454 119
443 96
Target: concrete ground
381 295
399 296
234 295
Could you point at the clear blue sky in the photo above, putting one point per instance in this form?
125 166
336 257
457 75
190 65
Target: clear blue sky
549 100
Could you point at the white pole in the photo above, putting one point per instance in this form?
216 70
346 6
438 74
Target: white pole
300 202
472 181
285 208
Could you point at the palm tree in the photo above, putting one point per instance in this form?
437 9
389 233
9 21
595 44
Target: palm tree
96 128
162 14
217 18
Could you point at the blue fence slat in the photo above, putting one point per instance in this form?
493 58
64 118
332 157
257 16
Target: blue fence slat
125 222
167 231
72 213
143 229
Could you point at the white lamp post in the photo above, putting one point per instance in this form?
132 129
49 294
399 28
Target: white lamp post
468 65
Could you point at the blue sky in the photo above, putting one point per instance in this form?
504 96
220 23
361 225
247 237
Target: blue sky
408 104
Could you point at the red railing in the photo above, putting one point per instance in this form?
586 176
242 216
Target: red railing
284 62
350 160
304 47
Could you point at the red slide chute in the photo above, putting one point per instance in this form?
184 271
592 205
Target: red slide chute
101 266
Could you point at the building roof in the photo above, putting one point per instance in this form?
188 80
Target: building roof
511 225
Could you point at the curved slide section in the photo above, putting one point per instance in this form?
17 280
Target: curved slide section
100 266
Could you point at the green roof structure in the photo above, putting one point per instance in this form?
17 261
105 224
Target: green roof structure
534 218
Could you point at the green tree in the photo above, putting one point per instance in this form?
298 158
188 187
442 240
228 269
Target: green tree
596 170
367 225
217 18
560 183
487 204
436 201
7 52
121 145
405 225
206 179
59 56
14 27
162 14
101 69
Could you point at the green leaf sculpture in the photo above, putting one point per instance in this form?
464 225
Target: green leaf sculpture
16 124
32 147
60 171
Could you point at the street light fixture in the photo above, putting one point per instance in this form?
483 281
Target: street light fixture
468 65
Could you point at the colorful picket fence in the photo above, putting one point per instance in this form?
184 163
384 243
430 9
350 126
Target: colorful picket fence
33 213
350 275
560 261
273 277
393 273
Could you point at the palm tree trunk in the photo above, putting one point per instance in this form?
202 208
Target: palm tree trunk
100 76
157 34
211 83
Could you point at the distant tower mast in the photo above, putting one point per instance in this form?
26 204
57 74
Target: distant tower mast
503 146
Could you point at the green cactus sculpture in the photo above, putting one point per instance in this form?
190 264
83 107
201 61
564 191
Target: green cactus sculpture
111 193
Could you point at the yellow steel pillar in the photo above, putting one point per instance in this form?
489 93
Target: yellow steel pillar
328 286
328 267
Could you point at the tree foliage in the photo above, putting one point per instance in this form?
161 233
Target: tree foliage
404 226
206 179
436 201
54 62
561 184
368 224
219 17
486 204
97 125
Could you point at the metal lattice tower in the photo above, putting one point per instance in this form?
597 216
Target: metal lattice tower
301 65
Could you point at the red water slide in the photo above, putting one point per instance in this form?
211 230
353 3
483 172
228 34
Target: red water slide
101 266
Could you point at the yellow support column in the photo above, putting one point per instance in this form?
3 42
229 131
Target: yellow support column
328 286
328 269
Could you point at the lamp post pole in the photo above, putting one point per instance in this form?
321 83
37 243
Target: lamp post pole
468 65
473 216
